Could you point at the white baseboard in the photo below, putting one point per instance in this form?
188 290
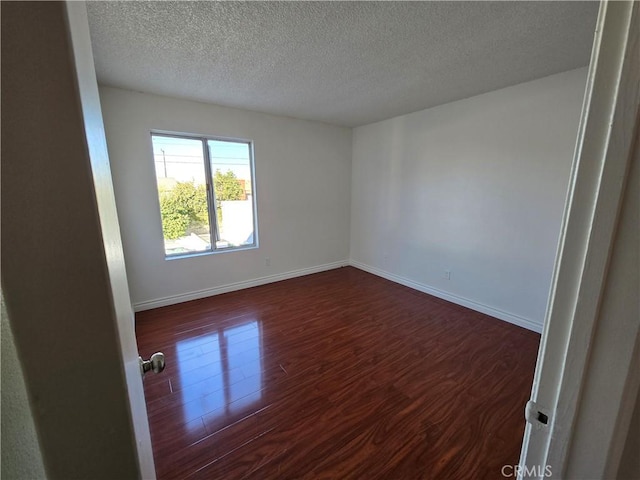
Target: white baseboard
231 287
479 307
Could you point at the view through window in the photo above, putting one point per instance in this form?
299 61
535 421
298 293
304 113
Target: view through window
205 190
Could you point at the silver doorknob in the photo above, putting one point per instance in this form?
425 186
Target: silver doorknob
155 363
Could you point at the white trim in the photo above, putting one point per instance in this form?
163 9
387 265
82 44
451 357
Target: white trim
232 287
601 160
465 302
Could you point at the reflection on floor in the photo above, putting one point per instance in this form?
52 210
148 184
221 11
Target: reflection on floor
222 369
340 374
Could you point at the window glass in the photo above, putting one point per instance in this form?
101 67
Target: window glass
182 191
205 192
231 170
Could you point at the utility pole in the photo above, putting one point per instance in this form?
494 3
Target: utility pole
164 161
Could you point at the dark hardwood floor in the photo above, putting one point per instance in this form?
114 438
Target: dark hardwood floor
335 375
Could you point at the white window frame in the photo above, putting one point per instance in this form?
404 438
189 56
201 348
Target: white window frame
211 198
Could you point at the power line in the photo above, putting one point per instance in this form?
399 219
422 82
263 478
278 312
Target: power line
199 163
199 156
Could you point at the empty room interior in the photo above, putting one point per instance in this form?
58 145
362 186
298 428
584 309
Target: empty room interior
343 372
339 223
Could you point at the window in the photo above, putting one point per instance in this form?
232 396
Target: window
206 193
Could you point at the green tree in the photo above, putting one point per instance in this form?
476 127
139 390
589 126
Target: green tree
227 187
183 207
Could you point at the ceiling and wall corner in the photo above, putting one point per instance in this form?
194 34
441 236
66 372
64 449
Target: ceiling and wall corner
344 63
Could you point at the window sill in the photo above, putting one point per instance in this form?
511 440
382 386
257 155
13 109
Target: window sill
210 252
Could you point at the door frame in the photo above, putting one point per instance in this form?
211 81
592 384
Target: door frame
63 276
602 159
91 111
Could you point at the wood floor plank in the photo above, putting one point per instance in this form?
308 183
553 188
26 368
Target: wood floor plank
339 374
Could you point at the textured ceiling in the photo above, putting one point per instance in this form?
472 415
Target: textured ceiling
345 63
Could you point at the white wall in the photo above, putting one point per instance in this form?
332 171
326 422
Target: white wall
302 185
476 187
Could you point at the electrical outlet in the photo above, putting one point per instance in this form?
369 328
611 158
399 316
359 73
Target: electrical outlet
447 275
267 262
